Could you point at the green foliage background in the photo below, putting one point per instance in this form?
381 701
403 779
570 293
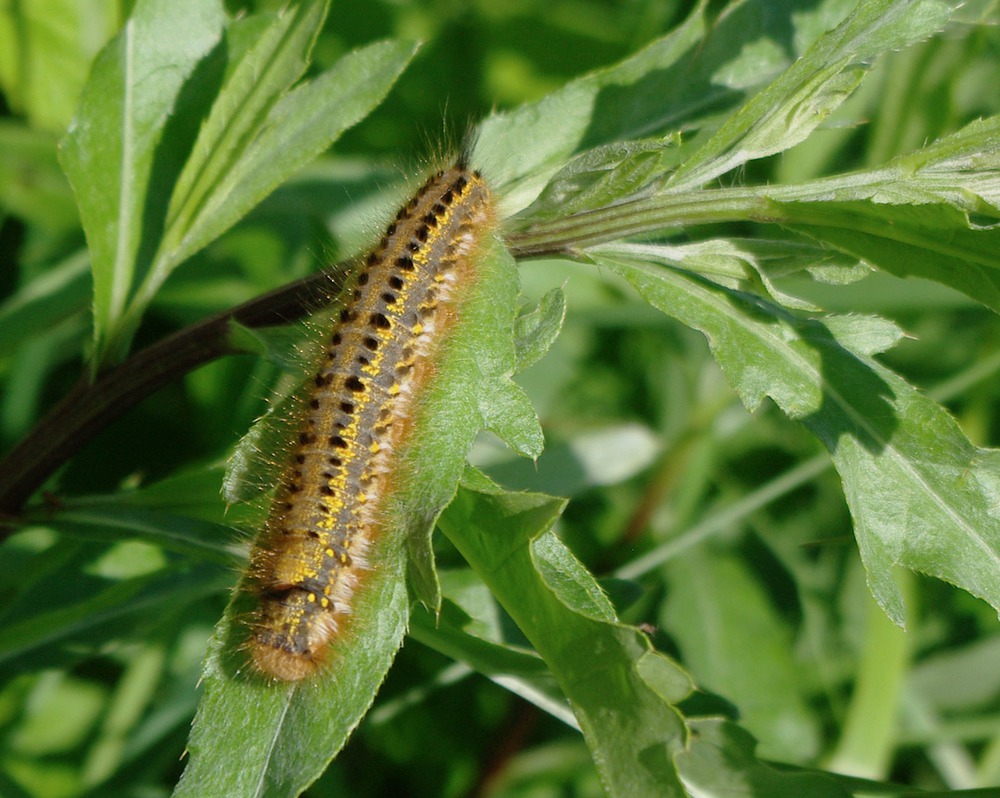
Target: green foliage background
724 534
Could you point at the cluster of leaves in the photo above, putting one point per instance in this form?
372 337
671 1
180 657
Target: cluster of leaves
189 119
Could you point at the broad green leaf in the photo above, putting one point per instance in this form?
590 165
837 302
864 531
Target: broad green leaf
473 391
286 734
620 690
722 619
721 760
784 113
921 495
929 241
122 123
468 629
750 264
521 150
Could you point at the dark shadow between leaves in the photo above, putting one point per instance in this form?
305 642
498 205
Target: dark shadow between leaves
870 396
857 401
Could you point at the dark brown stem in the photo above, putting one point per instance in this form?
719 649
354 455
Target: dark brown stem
93 404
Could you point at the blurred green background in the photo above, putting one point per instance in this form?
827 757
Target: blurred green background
764 600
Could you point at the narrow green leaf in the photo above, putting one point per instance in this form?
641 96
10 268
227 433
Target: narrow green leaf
199 540
61 292
299 127
108 602
110 150
633 732
921 495
150 199
277 59
273 63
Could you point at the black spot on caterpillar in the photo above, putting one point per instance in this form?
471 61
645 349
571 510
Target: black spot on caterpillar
311 556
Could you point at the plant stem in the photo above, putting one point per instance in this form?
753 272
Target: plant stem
93 404
637 216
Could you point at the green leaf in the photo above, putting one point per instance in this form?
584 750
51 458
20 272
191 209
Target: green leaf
56 295
601 176
624 710
721 619
793 105
302 124
110 151
522 149
921 495
686 80
929 241
536 331
32 185
721 760
277 59
46 47
473 391
109 520
468 628
288 733
150 199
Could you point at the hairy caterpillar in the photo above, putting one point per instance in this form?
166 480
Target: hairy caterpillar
311 555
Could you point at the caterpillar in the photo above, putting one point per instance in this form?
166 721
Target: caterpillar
328 506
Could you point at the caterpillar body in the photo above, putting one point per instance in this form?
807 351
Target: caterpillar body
327 508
